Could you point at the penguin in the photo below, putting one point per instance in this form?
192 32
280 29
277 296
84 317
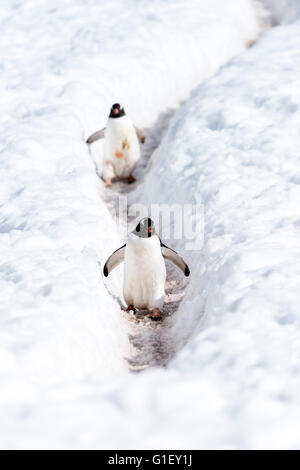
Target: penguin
121 145
144 257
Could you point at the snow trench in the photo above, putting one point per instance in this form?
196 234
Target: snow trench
152 344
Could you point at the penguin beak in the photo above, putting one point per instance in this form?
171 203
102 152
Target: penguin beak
149 229
116 111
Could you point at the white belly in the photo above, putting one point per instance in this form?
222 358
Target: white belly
144 273
120 136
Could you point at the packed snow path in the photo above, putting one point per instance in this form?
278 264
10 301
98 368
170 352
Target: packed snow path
152 342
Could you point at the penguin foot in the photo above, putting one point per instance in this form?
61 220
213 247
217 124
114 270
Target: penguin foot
155 315
119 154
131 307
131 179
108 182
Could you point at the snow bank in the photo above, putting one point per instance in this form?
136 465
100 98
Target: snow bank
61 333
234 147
283 12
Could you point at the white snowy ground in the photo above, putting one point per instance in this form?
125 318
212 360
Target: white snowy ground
234 147
63 378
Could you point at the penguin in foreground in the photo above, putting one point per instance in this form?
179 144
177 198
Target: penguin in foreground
121 145
144 268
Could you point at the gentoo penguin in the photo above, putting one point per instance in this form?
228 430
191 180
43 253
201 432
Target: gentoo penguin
121 146
144 268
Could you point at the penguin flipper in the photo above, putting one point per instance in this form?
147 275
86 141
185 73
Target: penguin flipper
96 136
141 135
171 255
114 260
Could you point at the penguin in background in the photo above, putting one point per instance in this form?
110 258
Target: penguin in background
144 257
121 145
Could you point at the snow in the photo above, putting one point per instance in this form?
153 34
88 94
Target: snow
283 12
61 74
64 378
234 147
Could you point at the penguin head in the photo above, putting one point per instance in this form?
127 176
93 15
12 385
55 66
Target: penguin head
145 228
116 111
